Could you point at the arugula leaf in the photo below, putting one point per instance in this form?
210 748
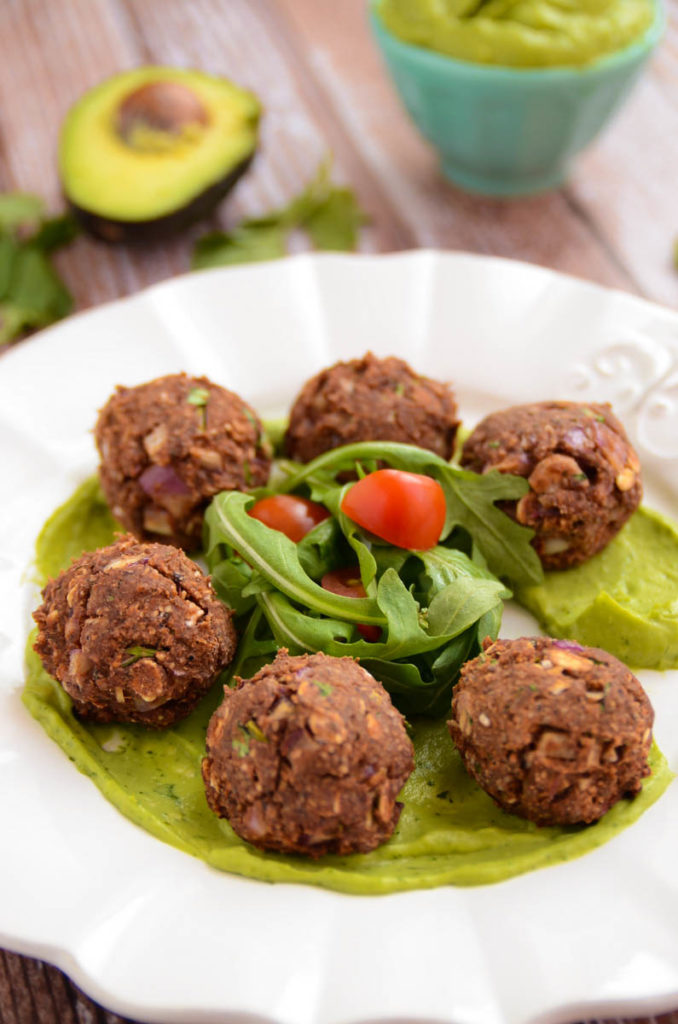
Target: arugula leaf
502 542
253 651
230 577
404 635
434 607
489 624
410 691
461 603
443 565
329 215
470 500
321 549
332 497
276 557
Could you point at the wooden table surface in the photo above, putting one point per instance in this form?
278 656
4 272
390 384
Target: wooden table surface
323 88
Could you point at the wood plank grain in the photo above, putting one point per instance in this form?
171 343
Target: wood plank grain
625 185
51 53
33 992
244 42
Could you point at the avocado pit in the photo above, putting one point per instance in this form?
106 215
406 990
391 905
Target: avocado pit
159 112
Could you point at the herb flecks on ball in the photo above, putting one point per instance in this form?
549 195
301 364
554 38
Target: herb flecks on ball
168 446
583 473
308 757
134 633
553 731
371 399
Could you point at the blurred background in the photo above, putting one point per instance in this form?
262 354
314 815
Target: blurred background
324 89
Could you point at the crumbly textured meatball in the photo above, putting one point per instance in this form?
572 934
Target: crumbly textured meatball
584 475
134 633
308 757
371 399
168 446
553 731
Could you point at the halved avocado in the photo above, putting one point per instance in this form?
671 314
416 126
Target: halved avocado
149 151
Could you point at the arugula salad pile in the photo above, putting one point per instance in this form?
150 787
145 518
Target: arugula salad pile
433 607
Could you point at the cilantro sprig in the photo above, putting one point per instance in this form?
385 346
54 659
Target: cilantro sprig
328 214
32 295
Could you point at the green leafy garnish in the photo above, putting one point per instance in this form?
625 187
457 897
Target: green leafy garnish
255 731
242 746
199 397
20 210
329 216
471 500
31 293
136 654
434 607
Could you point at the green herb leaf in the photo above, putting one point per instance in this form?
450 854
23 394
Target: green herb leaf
276 557
335 223
253 241
255 731
8 252
329 215
321 549
254 650
31 293
435 607
136 653
470 500
198 396
230 577
56 232
20 210
461 603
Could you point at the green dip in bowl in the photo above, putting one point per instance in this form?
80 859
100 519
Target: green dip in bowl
509 91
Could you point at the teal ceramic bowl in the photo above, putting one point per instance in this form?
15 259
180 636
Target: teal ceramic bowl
509 131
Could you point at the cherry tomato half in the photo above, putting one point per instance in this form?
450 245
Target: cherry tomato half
346 582
290 514
405 509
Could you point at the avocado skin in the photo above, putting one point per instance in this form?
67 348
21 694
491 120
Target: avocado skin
141 232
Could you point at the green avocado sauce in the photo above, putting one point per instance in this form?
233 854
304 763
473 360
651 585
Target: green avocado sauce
519 33
624 600
450 831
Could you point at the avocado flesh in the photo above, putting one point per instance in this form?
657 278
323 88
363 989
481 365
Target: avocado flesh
125 192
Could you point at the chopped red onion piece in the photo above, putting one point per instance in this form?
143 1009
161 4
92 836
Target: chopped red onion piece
567 645
158 481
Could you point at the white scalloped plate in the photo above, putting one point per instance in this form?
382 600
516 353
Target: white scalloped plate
155 934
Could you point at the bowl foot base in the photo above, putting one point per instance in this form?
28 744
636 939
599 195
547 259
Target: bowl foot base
523 185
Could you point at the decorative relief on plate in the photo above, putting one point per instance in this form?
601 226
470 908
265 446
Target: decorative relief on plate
639 377
621 374
657 418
